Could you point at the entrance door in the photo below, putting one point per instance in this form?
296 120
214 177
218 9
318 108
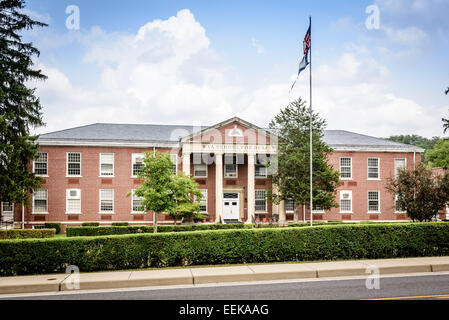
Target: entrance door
231 206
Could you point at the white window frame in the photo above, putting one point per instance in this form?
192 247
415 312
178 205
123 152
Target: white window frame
68 197
204 201
34 165
134 156
378 168
342 192
175 162
378 201
113 165
133 197
195 170
99 202
3 208
285 206
225 173
256 199
46 199
67 165
260 176
345 178
395 206
317 210
395 168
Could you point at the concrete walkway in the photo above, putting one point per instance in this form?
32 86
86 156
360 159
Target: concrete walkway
201 275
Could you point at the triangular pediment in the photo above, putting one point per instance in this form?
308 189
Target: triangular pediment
234 129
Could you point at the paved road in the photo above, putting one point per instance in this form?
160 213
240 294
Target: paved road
425 286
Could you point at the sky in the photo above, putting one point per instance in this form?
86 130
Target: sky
202 62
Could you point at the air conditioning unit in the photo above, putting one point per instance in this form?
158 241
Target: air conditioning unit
73 194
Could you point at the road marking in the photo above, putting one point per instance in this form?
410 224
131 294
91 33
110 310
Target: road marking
437 296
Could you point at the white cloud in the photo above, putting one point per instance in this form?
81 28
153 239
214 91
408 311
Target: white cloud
167 72
257 45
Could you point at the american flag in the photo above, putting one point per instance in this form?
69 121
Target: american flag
306 59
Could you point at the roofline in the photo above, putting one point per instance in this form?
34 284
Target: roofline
176 144
223 123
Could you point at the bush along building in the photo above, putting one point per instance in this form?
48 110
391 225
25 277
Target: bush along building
88 171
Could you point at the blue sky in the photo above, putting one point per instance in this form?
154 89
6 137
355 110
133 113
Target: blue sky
205 61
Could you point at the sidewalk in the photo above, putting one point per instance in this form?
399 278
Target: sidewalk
202 275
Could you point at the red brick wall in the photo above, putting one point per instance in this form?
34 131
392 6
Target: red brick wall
90 183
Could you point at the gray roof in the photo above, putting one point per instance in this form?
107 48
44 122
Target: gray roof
123 132
151 133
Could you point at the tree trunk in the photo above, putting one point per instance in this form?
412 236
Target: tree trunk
295 214
154 222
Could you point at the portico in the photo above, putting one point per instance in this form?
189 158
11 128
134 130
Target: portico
232 151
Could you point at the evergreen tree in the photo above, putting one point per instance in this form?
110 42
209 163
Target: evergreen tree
20 109
292 178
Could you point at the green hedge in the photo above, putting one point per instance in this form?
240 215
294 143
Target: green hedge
53 225
120 224
90 224
113 230
333 242
27 233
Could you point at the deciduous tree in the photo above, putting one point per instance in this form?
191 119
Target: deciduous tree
420 192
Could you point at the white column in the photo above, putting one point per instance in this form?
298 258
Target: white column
218 186
186 163
282 216
251 190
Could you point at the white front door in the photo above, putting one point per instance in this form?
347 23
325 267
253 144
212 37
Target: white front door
231 205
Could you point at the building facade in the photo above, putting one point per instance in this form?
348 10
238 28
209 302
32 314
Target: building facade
88 172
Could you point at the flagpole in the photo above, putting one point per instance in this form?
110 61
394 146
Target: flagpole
310 120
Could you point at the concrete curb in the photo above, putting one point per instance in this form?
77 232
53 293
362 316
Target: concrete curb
193 276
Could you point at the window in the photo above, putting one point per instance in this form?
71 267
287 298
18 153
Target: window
373 168
203 203
261 171
261 201
136 203
397 208
137 163
40 201
230 167
289 205
200 170
73 201
398 164
106 201
73 163
41 164
345 168
317 208
373 202
106 164
345 201
174 160
7 207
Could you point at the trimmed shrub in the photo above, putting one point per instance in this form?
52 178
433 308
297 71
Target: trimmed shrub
113 230
90 224
53 225
331 242
120 224
27 233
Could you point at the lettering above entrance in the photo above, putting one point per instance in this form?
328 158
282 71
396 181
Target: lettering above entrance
229 148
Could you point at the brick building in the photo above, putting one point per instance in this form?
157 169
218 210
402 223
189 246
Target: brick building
89 170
